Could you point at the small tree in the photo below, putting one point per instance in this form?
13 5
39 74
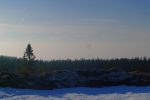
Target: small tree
29 56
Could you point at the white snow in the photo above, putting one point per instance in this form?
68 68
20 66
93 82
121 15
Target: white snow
80 93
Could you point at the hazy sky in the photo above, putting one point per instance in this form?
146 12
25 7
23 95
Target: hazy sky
60 29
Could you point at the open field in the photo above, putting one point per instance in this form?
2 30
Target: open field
80 93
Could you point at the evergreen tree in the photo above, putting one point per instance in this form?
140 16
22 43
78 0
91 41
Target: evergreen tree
29 56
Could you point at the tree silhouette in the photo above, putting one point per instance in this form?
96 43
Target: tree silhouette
29 56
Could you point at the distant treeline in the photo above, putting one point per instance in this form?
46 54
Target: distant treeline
15 65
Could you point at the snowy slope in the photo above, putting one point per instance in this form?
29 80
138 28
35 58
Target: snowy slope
81 93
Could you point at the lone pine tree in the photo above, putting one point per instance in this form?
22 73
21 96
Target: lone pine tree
29 56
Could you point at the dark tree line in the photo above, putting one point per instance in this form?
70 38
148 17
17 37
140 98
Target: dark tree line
11 64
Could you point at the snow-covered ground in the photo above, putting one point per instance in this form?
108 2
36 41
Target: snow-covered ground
81 93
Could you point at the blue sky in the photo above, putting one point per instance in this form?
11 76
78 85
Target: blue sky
60 29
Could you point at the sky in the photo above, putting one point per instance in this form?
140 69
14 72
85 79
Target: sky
73 29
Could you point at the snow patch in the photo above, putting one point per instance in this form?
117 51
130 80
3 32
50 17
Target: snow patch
80 93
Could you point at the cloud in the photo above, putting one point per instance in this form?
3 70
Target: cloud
27 28
93 30
101 20
80 27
